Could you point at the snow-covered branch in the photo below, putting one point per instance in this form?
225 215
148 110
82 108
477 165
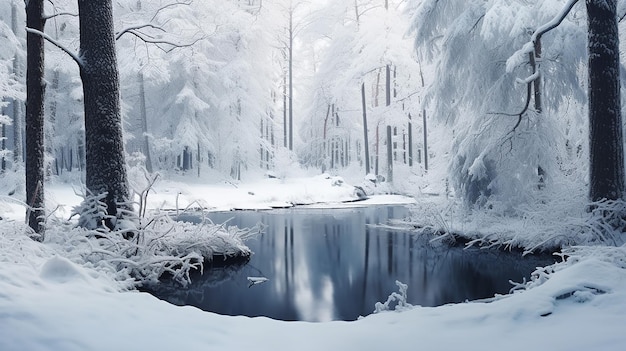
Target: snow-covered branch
555 22
529 79
54 42
529 48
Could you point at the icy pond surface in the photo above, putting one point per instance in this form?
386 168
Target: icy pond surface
335 264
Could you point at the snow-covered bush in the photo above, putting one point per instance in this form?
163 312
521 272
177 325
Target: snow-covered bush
615 256
398 297
560 217
158 246
144 247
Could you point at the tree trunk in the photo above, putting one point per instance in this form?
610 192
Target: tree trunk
425 140
291 78
3 166
365 139
35 86
49 131
389 156
106 167
605 119
410 141
387 86
144 122
285 128
18 141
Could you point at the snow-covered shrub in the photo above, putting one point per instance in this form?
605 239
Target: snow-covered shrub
144 246
615 256
560 217
159 246
398 297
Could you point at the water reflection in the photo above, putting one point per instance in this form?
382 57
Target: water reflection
331 264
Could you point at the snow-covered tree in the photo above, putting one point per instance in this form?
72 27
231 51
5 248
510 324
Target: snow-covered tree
105 160
504 147
365 46
208 96
11 87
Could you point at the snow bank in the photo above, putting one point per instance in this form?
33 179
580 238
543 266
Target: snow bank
50 303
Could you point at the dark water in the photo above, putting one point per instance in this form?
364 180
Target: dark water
333 265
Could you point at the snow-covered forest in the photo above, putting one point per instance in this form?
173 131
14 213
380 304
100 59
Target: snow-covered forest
239 87
236 88
498 123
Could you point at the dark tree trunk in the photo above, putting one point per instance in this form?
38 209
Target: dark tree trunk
387 86
35 87
410 141
104 154
3 166
605 119
389 156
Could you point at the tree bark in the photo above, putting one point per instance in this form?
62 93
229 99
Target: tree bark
605 119
106 167
35 87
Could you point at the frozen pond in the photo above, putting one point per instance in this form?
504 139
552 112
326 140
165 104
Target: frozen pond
335 264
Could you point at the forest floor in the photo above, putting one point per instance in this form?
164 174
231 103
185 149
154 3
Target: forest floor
48 302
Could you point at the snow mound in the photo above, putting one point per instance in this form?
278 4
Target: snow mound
61 270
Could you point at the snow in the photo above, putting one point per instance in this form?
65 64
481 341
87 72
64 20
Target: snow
48 302
256 280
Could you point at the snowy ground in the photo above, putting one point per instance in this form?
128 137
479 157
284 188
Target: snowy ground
50 303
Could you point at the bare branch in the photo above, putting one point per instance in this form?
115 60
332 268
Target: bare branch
519 116
188 2
148 39
52 41
408 96
47 17
119 34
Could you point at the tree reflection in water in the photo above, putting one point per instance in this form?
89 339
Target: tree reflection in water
336 264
